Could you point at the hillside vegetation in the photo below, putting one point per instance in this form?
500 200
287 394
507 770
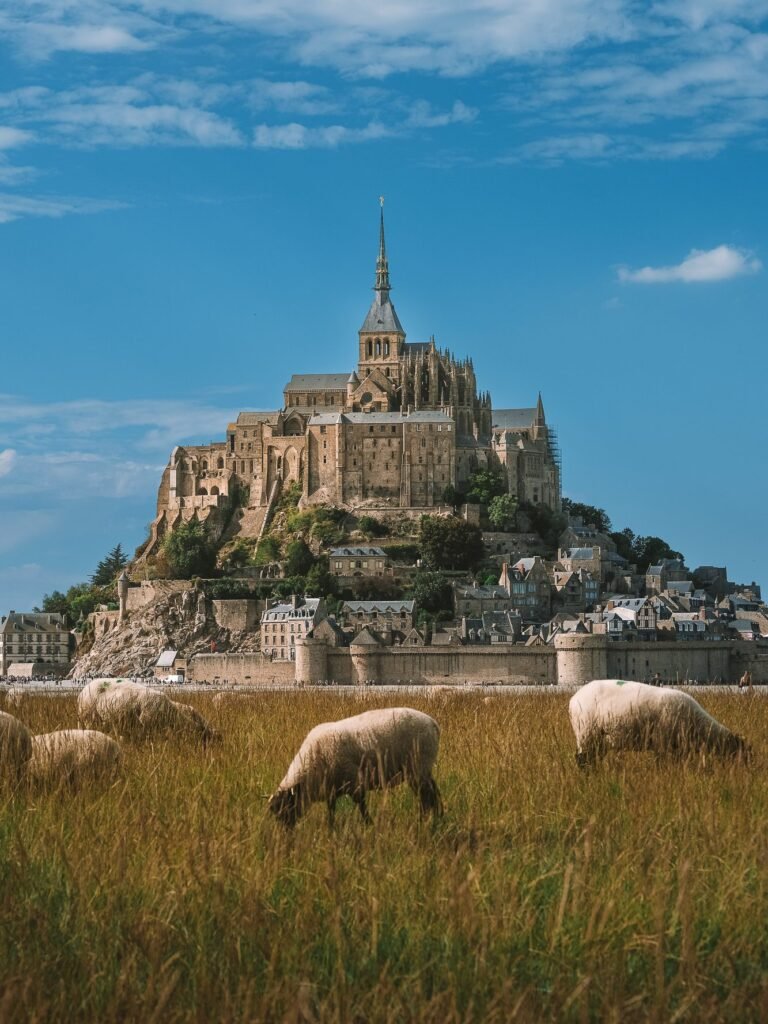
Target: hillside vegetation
636 892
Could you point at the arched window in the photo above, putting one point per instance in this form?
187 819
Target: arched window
204 464
378 346
220 463
214 490
369 347
386 348
202 491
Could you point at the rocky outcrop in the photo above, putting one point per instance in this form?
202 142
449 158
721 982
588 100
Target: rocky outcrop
182 622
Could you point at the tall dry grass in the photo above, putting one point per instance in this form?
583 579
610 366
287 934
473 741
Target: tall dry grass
636 892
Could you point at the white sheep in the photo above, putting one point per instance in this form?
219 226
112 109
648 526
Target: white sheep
15 747
374 750
133 709
72 756
615 714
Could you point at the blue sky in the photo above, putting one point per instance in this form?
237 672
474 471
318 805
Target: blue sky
188 214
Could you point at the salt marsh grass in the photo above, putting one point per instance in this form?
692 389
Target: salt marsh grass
638 891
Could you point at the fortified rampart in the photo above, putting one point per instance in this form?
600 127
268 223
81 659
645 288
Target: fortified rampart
572 661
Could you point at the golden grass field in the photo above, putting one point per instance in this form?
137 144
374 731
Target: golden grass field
638 891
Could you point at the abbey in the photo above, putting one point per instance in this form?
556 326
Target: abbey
398 430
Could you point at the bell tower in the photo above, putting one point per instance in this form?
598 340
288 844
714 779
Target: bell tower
381 338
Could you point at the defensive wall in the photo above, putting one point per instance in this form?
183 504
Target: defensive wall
572 661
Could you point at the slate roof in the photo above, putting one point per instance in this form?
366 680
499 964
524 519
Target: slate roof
166 659
248 419
580 554
317 382
379 606
513 419
381 317
33 622
364 552
306 610
481 593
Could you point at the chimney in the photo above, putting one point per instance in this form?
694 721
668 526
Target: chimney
294 601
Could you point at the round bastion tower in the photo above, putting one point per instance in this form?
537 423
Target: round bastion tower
581 658
311 661
122 596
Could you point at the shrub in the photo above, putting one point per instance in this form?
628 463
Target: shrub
189 551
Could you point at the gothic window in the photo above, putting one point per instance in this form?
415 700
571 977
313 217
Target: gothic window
386 348
378 346
369 348
204 464
366 399
214 491
220 463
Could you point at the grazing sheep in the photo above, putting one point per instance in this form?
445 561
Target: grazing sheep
133 709
71 756
613 714
15 747
373 750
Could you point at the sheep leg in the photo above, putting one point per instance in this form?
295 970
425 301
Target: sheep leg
429 797
359 798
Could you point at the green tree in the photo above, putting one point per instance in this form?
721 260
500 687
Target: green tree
372 527
651 550
298 558
625 543
432 592
110 567
267 551
484 485
189 551
319 581
590 514
547 523
450 543
502 512
453 497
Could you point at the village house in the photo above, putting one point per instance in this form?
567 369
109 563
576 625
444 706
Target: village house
282 624
472 600
383 615
34 643
358 561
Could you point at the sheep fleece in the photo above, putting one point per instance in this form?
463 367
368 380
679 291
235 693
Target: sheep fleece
71 753
338 755
624 715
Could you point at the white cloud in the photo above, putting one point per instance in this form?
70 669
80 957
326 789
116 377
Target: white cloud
13 207
299 136
422 115
7 461
10 138
718 264
48 38
161 423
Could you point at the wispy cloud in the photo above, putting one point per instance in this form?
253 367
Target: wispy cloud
300 136
13 206
7 461
718 264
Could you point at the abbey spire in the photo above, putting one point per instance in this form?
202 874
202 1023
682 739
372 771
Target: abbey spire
382 266
382 317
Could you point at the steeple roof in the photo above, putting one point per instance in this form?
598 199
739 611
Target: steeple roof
381 316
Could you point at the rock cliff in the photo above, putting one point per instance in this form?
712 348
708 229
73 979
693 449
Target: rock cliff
182 622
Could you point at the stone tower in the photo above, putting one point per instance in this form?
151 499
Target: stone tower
382 338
